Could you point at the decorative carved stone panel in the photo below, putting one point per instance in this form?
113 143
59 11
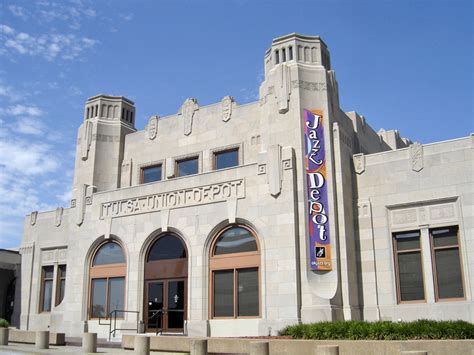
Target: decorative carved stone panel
227 102
86 139
27 248
404 216
152 127
364 209
188 110
287 157
283 87
359 163
33 217
442 212
126 174
59 216
416 156
424 213
274 169
58 255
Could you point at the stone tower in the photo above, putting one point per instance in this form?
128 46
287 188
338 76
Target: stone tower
100 144
298 77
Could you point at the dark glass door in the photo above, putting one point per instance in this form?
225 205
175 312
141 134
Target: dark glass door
175 314
166 305
155 305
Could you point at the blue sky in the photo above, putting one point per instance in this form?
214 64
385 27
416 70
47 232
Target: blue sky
405 65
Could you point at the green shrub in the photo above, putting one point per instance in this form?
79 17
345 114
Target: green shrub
3 323
382 330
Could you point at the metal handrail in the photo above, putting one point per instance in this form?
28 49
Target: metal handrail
114 313
160 312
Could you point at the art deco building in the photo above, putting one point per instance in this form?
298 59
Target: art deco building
231 220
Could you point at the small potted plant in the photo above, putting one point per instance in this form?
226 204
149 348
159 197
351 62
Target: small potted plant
3 331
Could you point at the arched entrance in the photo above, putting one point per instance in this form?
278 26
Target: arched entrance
166 272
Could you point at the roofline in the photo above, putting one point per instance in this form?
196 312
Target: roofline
111 97
298 36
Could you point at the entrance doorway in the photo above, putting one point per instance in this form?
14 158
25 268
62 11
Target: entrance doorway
166 305
165 296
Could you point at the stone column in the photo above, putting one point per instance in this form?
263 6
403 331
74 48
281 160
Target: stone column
327 350
89 342
199 347
42 339
258 348
4 336
142 345
427 264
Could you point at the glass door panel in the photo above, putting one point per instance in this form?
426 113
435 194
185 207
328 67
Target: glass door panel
176 305
155 305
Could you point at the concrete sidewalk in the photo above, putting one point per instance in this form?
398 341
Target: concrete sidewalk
16 349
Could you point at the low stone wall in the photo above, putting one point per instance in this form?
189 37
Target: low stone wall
29 337
307 347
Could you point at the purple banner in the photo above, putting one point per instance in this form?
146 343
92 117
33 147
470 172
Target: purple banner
316 182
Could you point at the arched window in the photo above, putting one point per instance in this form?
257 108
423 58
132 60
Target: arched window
107 280
167 247
234 274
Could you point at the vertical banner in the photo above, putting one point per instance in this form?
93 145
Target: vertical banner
316 182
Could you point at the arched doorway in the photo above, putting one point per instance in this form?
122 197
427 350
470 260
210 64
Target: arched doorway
166 272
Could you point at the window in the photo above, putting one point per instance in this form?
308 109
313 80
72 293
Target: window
447 270
283 55
167 247
61 284
290 52
151 173
234 271
226 159
188 166
409 272
46 288
107 285
277 57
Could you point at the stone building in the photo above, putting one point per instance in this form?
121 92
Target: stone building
232 220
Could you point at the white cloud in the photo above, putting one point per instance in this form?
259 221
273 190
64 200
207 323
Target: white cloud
19 109
74 91
21 156
48 46
28 125
24 166
17 11
126 17
10 93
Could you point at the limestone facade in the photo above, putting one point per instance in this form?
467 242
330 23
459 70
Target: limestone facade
378 183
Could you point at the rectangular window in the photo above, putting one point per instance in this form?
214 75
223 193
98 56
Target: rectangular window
224 293
99 298
107 295
446 263
408 267
61 284
247 281
226 159
283 54
151 173
188 166
290 52
116 295
236 293
277 57
47 288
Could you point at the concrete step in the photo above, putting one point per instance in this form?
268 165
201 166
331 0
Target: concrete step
101 342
